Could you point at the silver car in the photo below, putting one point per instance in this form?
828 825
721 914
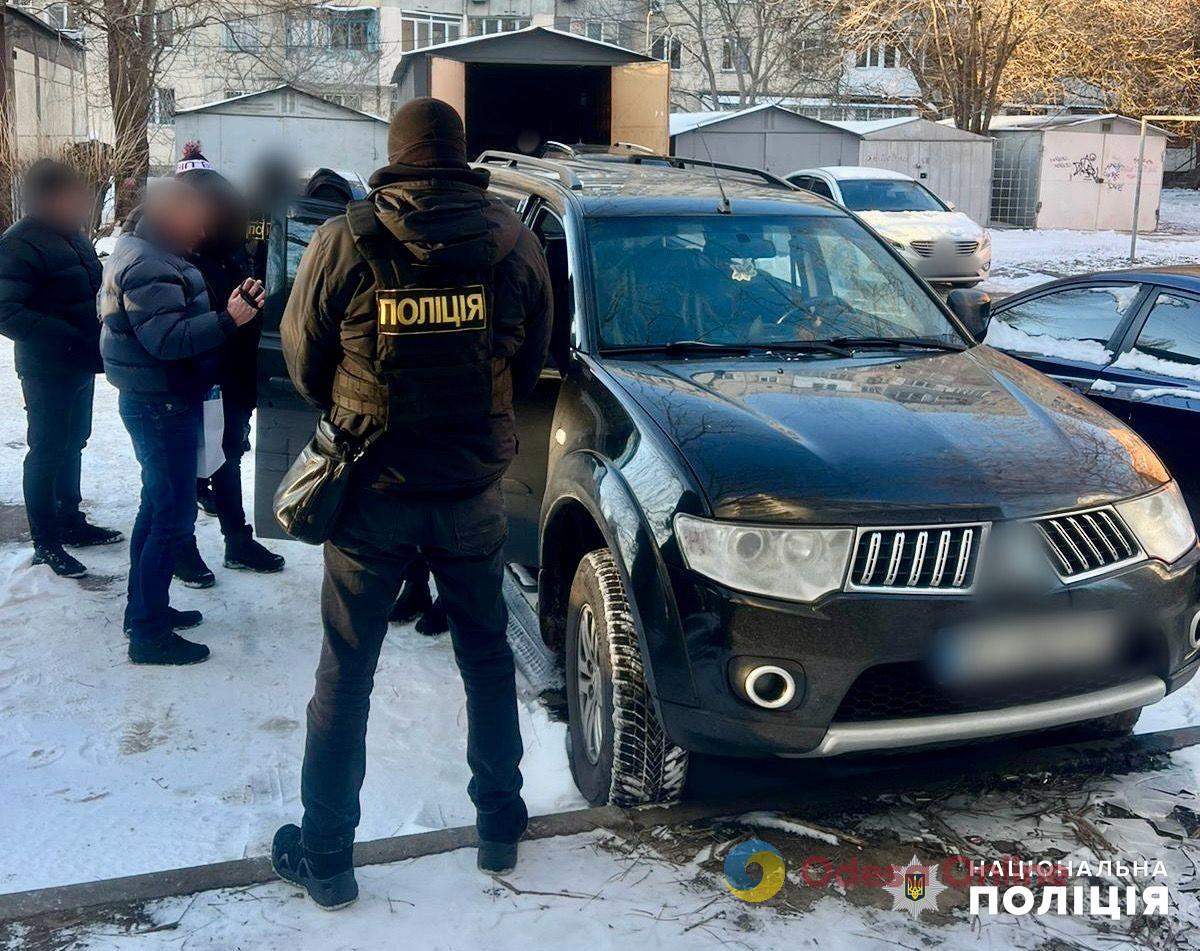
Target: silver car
944 246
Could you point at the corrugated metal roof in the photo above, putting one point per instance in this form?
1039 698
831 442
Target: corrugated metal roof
264 92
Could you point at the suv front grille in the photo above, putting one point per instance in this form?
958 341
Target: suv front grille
927 248
925 559
1082 543
902 690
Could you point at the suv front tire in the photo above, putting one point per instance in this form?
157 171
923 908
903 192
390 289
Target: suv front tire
618 750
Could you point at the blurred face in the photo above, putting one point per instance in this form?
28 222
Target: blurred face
69 208
178 215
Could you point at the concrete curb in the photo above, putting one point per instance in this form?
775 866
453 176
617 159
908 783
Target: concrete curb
830 789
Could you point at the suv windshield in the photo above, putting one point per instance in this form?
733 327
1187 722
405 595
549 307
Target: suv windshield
752 281
878 194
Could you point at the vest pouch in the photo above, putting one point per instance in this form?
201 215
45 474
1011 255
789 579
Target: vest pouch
420 396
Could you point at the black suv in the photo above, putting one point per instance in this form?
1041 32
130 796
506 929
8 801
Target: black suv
778 500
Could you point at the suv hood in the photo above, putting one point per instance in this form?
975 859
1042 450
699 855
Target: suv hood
963 436
909 226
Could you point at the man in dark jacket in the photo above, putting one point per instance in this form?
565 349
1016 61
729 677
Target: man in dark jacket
224 262
159 338
49 275
420 313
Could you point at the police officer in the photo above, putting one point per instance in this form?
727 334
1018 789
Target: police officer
419 313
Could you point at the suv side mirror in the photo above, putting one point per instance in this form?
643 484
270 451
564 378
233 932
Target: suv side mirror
973 307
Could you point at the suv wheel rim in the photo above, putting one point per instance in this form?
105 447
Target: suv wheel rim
588 684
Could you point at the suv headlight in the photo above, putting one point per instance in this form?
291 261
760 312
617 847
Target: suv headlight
1161 523
797 564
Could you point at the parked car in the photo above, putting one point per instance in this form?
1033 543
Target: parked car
766 483
1130 341
944 246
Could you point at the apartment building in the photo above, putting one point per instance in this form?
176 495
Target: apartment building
347 53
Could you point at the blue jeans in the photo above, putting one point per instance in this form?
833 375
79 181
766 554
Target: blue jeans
165 439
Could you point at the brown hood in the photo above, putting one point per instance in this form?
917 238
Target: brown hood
444 216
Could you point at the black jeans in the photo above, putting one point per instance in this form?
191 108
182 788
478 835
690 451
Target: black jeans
165 439
376 540
59 416
227 481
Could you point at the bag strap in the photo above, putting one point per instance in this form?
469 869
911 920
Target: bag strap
373 242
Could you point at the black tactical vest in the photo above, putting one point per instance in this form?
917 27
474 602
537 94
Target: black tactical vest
420 353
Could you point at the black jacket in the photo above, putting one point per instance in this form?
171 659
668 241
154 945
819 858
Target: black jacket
223 270
443 217
160 334
48 285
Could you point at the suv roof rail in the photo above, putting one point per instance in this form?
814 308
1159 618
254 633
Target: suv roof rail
768 177
517 161
634 147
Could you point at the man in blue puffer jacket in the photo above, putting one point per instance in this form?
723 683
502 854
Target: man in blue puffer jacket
159 342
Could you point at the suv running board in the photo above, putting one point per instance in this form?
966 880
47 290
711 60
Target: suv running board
960 727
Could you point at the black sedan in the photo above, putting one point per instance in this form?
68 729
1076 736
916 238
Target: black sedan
1130 340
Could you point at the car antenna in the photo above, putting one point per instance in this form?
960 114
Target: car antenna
724 207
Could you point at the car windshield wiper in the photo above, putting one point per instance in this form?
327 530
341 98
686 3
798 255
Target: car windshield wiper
887 343
681 346
806 346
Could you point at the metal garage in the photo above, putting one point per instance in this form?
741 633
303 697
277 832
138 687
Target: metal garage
1074 171
311 132
954 164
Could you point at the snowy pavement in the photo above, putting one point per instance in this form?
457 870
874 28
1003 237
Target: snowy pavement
108 769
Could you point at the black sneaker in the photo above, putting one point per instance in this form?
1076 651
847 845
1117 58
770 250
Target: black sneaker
58 561
191 569
166 650
243 553
413 601
328 877
496 858
176 620
83 534
434 621
205 498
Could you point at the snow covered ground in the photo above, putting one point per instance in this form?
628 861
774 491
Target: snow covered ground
108 769
1022 258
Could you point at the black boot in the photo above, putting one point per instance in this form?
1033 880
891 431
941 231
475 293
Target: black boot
205 498
434 621
79 533
496 858
176 620
243 553
166 649
58 561
328 877
414 600
191 569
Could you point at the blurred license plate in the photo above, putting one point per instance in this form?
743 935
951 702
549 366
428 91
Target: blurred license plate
1017 647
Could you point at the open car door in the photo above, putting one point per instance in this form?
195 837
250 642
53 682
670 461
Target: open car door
284 422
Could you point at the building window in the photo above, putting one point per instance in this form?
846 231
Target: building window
484 25
735 55
162 106
351 100
332 29
418 30
880 55
164 29
242 35
606 31
669 48
61 16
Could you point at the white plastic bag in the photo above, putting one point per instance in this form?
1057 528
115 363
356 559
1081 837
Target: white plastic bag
209 454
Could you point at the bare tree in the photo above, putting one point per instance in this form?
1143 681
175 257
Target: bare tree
958 50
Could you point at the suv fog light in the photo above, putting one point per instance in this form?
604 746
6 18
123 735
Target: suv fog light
769 686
